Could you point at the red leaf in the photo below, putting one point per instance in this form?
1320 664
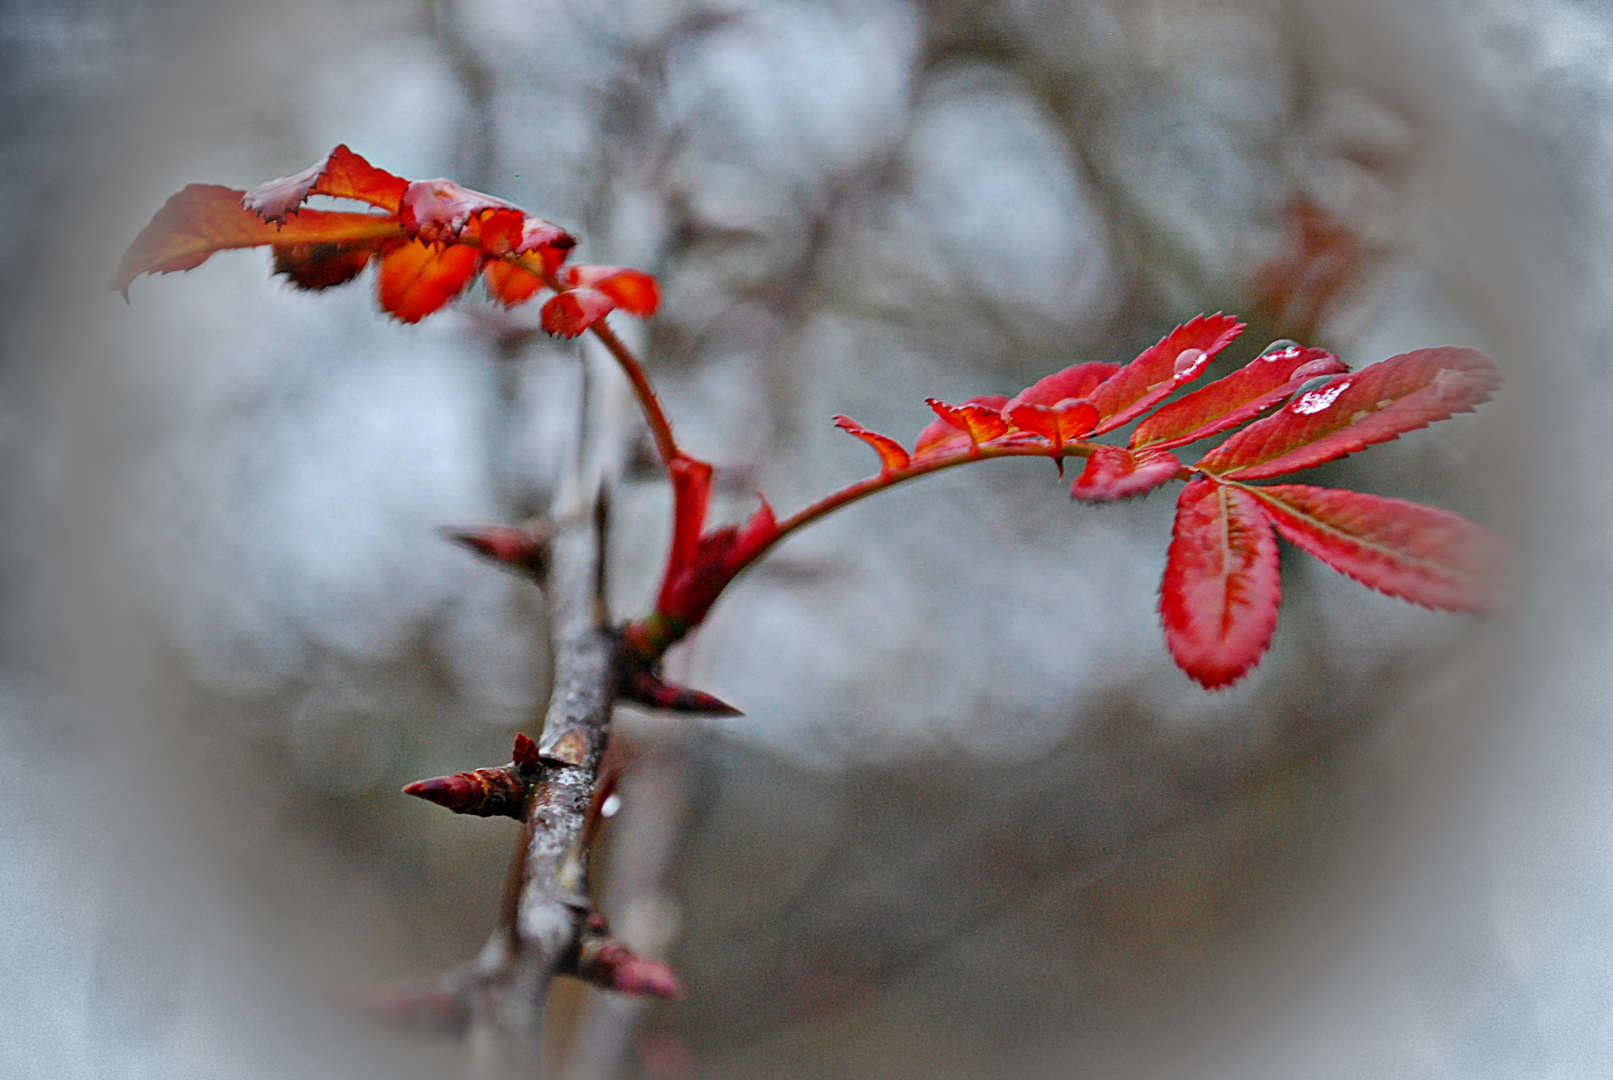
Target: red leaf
1221 589
891 454
546 242
1113 472
343 175
634 291
981 423
961 428
1179 357
569 313
1356 410
1228 402
941 436
1430 557
510 283
1077 381
497 232
1058 424
441 209
204 218
417 279
322 265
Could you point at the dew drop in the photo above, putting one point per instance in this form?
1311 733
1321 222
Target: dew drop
1189 361
612 803
1317 400
1282 347
1313 369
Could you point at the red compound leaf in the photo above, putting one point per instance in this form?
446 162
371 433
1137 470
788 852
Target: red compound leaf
1221 589
1076 381
1353 411
634 291
1179 357
509 283
320 248
1239 397
891 454
342 175
1113 472
1058 424
204 218
417 279
322 265
1430 557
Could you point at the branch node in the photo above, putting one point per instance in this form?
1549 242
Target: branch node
569 749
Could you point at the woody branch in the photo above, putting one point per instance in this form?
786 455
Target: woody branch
549 924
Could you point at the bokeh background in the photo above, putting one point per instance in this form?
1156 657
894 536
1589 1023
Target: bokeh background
974 822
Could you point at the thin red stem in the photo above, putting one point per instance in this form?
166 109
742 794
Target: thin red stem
660 427
863 488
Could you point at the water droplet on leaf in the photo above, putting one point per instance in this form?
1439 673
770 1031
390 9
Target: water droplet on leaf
1189 361
1280 347
1315 401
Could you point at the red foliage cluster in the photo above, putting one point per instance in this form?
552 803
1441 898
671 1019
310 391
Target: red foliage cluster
1294 408
1221 589
430 239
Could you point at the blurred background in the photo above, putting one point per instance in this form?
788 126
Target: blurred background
974 822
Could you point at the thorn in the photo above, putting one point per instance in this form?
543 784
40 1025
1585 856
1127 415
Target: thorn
608 963
648 688
500 792
524 549
648 978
